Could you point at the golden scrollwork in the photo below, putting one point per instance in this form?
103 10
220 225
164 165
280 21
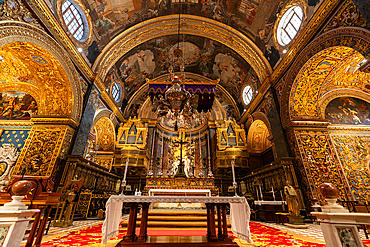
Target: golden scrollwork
39 154
354 154
104 161
348 15
40 53
319 161
357 39
105 134
335 67
26 63
15 10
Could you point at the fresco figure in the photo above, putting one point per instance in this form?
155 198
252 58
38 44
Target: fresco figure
348 110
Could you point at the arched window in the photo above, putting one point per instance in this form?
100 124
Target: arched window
74 19
289 25
247 95
117 92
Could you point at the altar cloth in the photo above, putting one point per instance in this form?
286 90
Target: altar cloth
179 191
239 212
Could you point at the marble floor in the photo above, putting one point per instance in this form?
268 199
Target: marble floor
312 232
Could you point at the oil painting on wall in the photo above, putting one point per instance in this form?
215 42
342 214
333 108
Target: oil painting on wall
17 105
349 111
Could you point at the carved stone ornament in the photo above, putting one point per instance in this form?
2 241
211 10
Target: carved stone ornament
8 156
15 10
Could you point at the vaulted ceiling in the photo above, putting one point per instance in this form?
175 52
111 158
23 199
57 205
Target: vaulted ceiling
244 56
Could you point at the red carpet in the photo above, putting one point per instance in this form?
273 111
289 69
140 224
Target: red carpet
261 235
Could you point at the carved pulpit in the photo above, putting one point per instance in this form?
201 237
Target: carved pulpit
40 197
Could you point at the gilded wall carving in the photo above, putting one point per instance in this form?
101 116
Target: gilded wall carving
316 78
257 137
319 163
357 39
41 150
105 134
354 154
15 10
347 16
32 65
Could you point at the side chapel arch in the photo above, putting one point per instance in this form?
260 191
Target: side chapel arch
355 39
12 33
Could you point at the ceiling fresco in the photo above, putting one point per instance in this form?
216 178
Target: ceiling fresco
253 18
202 56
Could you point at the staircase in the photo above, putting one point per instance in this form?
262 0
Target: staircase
176 219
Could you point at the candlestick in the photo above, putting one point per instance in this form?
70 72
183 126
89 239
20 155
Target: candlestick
235 185
232 167
201 174
160 173
210 174
124 176
261 192
150 172
281 194
273 193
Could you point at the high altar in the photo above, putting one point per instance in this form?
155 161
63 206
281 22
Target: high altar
179 149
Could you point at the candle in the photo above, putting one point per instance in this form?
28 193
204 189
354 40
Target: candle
261 192
124 177
281 194
273 193
232 167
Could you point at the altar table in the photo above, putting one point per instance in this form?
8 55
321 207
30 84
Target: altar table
267 210
186 192
239 215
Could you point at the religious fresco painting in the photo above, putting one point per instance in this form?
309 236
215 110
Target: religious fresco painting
348 111
111 17
17 105
153 58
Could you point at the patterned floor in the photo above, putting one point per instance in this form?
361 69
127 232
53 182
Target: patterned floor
312 233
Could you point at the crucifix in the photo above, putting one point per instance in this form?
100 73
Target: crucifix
181 140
